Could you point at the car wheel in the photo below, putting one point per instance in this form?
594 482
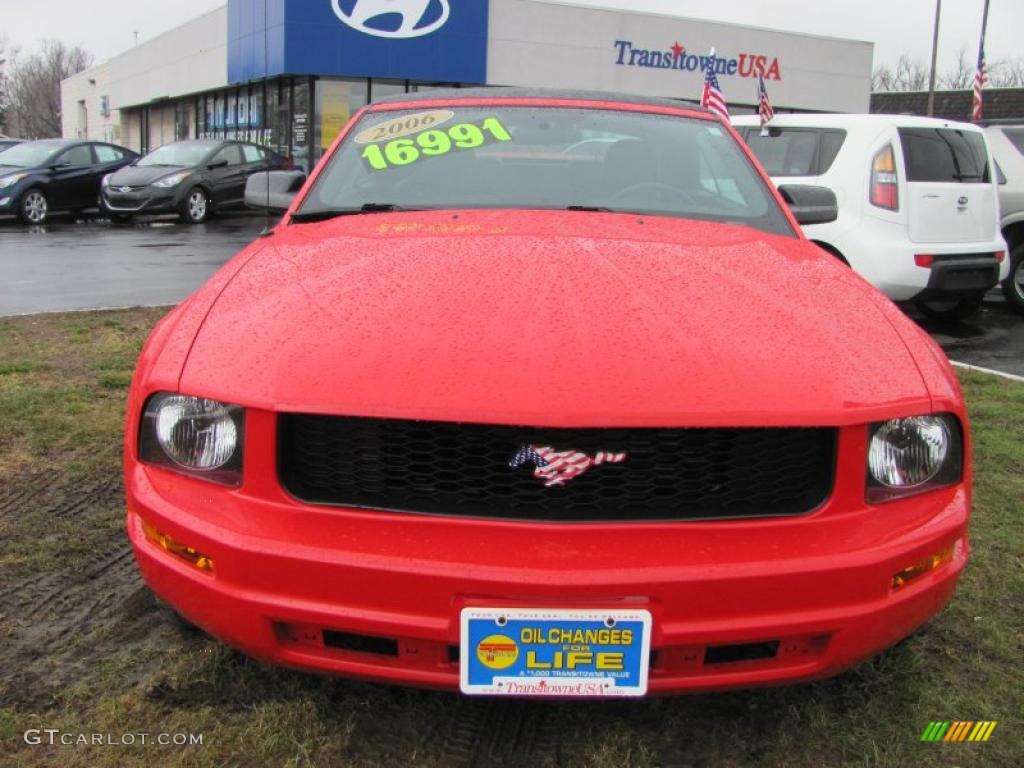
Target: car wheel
951 309
196 206
1013 286
33 208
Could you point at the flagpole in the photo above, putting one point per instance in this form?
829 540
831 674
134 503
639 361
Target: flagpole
935 51
981 51
984 24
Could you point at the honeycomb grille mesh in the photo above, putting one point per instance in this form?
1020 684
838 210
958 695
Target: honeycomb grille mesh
463 469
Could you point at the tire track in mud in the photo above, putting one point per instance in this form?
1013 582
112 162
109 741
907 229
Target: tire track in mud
61 622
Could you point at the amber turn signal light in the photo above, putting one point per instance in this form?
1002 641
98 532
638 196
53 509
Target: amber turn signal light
175 547
922 567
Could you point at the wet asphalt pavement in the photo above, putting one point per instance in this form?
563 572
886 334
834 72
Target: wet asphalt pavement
90 263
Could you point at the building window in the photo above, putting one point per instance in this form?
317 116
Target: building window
230 120
219 113
83 120
200 107
300 124
336 101
380 89
183 117
256 125
105 106
277 116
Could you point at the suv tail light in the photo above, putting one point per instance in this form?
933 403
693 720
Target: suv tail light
884 181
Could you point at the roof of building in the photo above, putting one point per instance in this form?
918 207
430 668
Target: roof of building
998 103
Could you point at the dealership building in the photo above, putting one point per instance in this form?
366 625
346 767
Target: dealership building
290 74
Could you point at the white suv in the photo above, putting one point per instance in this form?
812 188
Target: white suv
918 212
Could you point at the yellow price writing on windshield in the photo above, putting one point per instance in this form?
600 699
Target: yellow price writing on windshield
435 142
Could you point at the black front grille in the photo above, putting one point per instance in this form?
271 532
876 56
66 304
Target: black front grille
463 469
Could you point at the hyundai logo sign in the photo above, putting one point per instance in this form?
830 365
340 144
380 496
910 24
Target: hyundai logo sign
392 18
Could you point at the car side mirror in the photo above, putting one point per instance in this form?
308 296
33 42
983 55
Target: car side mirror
273 190
217 164
810 204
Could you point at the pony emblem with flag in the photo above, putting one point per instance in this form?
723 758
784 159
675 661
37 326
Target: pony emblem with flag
559 467
711 97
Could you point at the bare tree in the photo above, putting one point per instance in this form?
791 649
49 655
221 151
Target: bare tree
912 74
961 75
1007 73
908 75
33 86
5 55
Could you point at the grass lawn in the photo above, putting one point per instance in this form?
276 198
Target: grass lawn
85 648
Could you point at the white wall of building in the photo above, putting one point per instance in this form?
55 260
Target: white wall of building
187 59
545 43
84 98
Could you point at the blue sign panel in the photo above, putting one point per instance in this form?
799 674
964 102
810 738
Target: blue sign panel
431 40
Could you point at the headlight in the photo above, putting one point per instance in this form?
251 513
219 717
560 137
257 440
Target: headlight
194 435
14 178
913 455
105 181
170 181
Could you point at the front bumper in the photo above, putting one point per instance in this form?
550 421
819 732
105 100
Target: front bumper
10 197
148 200
289 579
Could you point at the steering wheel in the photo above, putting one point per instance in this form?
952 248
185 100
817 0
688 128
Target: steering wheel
655 186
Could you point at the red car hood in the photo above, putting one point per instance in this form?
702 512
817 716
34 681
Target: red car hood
552 318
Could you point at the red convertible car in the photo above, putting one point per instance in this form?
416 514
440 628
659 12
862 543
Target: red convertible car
545 393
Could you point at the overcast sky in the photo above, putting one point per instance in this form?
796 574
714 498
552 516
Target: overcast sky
106 27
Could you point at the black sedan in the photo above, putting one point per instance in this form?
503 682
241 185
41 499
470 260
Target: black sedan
39 177
190 178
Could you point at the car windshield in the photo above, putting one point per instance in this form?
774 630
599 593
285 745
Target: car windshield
186 154
29 154
544 157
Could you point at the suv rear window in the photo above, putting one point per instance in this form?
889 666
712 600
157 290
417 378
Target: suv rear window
1016 137
944 154
795 151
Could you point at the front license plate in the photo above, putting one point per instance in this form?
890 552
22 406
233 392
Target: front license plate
521 652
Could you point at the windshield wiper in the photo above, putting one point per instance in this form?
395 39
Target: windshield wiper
590 208
331 213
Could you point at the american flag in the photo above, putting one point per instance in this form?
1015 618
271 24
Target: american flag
712 97
980 81
559 467
764 104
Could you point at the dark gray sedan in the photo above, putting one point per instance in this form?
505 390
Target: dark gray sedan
191 178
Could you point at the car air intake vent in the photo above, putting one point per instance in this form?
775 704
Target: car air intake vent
347 641
625 474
